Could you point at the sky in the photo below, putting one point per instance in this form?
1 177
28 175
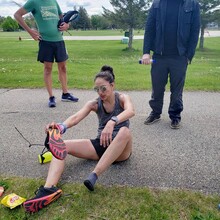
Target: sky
8 7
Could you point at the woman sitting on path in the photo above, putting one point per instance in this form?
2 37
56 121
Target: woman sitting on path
112 144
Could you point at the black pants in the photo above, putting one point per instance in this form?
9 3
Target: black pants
163 68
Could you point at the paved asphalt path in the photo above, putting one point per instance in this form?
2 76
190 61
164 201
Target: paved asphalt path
165 158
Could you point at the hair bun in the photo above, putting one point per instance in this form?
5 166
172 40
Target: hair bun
107 68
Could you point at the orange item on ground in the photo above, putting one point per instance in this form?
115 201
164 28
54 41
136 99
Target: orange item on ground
1 190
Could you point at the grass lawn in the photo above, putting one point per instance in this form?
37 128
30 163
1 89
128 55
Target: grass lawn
113 203
19 68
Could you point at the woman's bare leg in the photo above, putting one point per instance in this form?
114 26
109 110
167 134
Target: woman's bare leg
78 148
119 150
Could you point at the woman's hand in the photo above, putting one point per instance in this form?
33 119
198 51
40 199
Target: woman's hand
52 125
106 135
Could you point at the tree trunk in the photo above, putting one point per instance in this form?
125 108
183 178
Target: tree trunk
130 38
201 41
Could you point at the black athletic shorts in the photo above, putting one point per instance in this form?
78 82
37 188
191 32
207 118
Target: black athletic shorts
100 150
50 51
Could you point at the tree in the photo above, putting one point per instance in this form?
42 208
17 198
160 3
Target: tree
128 14
9 24
84 21
1 20
209 12
218 18
29 19
100 22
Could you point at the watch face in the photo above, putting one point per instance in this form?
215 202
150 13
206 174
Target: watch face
115 119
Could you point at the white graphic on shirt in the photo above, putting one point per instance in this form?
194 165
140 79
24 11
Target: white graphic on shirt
49 12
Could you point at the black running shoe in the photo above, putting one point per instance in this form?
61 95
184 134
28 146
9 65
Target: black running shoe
151 119
68 97
44 196
175 124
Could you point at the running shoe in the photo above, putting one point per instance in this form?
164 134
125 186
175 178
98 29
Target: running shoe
52 102
175 124
67 97
151 119
55 144
44 196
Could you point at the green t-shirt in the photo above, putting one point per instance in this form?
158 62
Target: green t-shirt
46 14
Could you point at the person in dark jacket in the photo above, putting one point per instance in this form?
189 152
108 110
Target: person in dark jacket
171 32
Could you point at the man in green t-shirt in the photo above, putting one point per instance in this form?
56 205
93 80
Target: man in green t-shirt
51 43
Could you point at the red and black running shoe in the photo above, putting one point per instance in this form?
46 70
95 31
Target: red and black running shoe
55 144
44 196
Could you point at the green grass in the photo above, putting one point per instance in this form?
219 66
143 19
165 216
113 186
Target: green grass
19 68
24 34
113 203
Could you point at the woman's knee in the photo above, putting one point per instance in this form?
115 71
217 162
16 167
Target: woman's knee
124 133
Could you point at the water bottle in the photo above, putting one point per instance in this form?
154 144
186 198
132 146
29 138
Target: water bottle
151 60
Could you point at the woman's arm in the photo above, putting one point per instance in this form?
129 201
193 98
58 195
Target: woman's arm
81 114
127 104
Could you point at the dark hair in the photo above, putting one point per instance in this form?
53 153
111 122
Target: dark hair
106 73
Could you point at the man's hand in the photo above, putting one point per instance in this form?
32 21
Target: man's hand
63 26
35 35
146 59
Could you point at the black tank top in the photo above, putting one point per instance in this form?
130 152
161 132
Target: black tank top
104 116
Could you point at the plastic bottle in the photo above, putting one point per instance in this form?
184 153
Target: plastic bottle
151 60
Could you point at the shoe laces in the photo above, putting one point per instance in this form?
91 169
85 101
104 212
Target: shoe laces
38 190
52 99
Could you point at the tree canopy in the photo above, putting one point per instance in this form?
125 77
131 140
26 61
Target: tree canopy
209 10
9 24
128 14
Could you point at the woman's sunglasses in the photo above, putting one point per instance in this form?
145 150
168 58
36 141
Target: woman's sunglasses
100 88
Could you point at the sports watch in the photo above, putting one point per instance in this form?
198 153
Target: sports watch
115 119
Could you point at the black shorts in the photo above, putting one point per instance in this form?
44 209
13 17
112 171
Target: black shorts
100 150
50 51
